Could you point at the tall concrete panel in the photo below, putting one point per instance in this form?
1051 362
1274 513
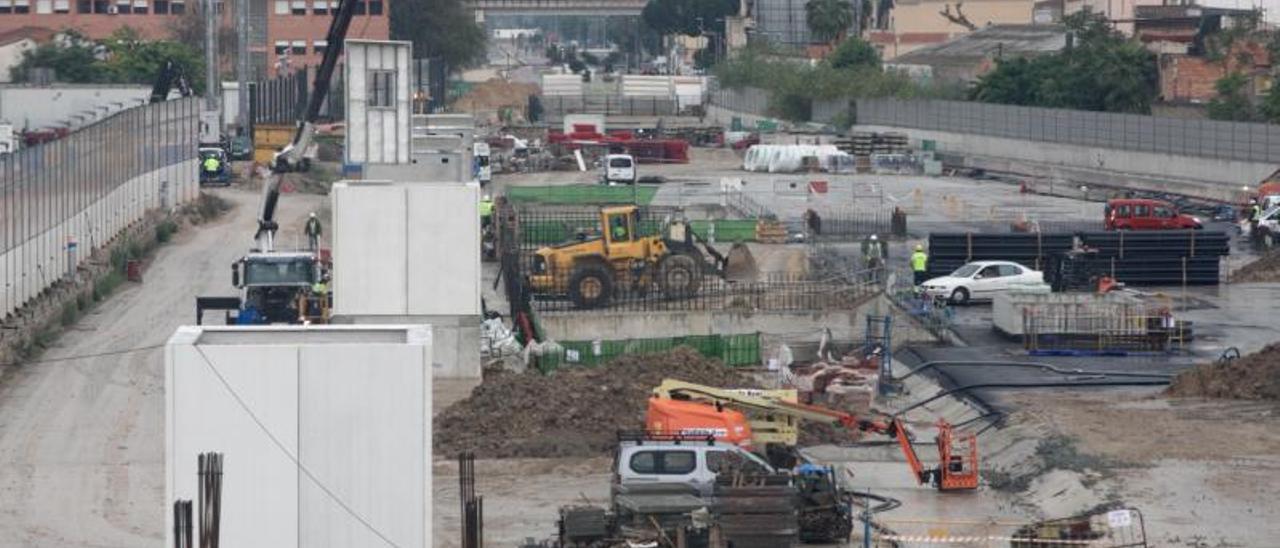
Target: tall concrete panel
325 431
378 101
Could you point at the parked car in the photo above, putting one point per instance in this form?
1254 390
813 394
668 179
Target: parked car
1146 214
981 280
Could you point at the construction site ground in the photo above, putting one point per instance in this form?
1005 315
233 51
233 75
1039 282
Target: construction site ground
82 441
1200 471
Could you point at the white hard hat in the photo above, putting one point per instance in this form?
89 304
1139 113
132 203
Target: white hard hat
873 236
313 214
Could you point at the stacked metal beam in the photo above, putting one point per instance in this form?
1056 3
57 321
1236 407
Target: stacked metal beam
1154 257
950 250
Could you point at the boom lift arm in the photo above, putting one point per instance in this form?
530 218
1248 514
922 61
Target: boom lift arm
291 157
957 469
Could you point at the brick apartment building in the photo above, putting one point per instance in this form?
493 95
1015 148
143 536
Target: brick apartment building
282 33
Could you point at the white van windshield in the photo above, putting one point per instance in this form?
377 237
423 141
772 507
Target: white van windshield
620 162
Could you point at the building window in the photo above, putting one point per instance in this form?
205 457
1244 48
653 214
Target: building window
299 7
6 6
161 7
62 6
84 6
21 6
282 7
375 7
177 7
100 6
140 6
44 7
382 89
299 47
320 7
361 9
282 47
319 46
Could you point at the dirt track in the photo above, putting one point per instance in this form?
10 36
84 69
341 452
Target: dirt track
82 442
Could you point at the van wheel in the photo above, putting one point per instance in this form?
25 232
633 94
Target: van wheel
591 286
960 296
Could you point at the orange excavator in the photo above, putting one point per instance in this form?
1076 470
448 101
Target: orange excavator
767 422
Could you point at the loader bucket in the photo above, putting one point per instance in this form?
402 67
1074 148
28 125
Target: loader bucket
740 264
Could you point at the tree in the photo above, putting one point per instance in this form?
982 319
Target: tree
439 28
1232 102
188 29
853 53
828 19
73 59
134 60
1101 71
1269 110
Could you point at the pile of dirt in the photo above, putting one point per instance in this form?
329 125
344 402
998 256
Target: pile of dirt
573 412
1265 269
1252 377
494 94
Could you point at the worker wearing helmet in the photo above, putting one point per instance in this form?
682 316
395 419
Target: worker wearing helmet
212 164
873 255
313 231
919 260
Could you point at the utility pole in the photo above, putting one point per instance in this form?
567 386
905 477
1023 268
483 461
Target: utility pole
242 66
211 54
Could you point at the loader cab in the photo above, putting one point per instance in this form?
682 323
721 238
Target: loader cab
275 269
620 224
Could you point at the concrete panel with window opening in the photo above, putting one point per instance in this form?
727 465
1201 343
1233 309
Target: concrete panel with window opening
378 102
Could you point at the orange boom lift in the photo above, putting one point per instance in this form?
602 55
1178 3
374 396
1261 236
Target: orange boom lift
767 422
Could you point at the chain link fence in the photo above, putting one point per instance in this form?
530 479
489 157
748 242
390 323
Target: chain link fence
62 200
1135 132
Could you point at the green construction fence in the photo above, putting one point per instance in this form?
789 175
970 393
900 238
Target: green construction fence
734 350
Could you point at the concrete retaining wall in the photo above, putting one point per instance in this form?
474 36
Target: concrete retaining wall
1209 178
792 328
32 266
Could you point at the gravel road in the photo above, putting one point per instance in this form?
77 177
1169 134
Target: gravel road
82 441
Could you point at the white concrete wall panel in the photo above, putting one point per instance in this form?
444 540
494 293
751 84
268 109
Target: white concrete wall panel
373 464
369 249
406 249
444 236
203 415
377 134
349 408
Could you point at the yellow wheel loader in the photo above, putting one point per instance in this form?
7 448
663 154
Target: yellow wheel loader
591 272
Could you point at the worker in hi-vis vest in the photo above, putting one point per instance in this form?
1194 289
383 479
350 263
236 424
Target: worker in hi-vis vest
919 260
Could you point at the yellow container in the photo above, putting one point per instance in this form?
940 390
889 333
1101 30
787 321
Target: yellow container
263 155
273 135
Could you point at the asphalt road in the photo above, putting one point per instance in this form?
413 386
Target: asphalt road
82 441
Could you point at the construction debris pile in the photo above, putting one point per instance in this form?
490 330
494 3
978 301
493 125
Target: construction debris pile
1265 269
495 95
1252 377
574 412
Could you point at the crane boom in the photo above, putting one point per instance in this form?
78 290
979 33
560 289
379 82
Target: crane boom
290 158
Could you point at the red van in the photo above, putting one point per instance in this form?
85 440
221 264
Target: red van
1146 214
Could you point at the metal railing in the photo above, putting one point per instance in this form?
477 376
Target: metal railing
62 200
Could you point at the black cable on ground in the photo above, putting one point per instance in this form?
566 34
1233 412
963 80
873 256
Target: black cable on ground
1048 368
978 386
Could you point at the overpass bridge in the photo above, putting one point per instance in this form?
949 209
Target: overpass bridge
557 7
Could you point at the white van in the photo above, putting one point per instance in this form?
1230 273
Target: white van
691 463
619 169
